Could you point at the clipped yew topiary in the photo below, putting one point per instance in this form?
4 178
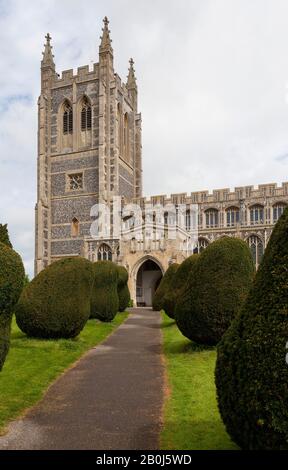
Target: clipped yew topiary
252 361
215 290
104 299
166 284
11 284
4 236
172 295
56 303
122 288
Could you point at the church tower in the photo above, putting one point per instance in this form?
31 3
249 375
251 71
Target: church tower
89 149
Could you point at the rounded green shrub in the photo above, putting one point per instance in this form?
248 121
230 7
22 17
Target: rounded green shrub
11 283
215 290
252 361
104 299
122 288
56 303
172 295
165 286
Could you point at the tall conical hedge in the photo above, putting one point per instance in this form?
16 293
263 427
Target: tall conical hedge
122 288
11 284
215 290
56 303
252 368
4 235
165 286
104 299
179 282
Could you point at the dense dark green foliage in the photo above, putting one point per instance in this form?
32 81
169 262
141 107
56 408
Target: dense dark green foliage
26 280
215 290
11 278
4 236
11 284
104 299
56 303
123 290
251 371
164 287
172 295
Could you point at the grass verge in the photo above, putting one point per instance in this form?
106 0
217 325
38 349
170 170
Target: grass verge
191 417
32 365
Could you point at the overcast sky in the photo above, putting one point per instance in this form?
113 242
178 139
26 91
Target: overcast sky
212 80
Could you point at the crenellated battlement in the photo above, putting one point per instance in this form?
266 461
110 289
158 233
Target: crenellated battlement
84 73
216 196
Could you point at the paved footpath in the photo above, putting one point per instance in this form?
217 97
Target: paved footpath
111 399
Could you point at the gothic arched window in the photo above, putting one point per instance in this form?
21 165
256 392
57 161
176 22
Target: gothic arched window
104 253
256 215
257 248
67 118
86 116
233 216
201 245
212 218
278 210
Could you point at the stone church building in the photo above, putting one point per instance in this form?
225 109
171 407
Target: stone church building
90 152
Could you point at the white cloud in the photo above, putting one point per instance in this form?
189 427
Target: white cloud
212 79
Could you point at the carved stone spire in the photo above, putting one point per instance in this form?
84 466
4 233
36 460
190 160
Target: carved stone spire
48 57
131 79
106 41
131 85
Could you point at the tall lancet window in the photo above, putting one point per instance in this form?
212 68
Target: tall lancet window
126 137
86 116
75 227
67 119
119 122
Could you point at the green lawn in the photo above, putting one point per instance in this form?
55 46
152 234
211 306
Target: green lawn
33 364
191 417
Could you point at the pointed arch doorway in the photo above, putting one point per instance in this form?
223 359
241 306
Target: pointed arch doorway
148 278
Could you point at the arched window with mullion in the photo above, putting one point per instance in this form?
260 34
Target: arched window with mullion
200 246
104 253
86 116
212 218
232 216
278 210
257 249
256 215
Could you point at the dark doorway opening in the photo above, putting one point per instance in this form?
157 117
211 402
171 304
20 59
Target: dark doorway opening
148 278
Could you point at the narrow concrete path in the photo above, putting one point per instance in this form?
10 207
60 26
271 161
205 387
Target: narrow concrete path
111 399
